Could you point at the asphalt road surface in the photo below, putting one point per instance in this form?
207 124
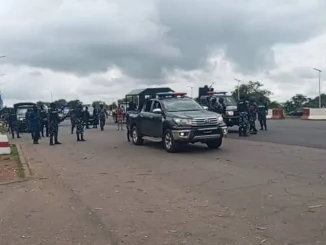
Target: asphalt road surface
108 191
289 132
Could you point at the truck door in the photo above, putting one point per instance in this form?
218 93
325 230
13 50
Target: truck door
145 119
156 120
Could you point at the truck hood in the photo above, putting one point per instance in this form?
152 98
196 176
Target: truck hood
192 114
231 108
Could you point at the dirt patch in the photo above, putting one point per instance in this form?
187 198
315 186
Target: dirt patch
10 167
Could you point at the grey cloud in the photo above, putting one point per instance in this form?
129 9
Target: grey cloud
35 73
144 38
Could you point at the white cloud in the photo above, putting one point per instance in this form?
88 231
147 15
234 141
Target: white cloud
102 49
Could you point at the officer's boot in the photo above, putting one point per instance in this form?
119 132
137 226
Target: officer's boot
261 125
265 125
56 141
245 131
82 137
240 131
13 134
72 130
78 139
18 136
51 140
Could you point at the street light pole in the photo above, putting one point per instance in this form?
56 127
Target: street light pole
319 73
191 88
50 94
239 81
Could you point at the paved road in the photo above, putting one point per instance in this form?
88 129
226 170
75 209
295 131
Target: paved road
107 191
292 132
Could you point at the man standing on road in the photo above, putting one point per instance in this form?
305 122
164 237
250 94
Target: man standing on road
243 108
95 117
34 124
13 124
262 112
252 115
73 120
102 116
80 117
54 121
86 117
44 122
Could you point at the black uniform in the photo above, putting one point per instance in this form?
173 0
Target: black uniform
95 117
54 121
102 117
13 124
86 117
243 108
44 122
262 111
252 116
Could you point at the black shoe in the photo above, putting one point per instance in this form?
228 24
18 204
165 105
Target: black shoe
57 143
78 139
51 141
82 138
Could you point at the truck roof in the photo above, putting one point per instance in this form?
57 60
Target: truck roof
151 91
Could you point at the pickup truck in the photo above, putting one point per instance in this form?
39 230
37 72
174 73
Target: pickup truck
176 121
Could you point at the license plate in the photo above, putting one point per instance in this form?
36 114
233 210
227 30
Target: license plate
208 132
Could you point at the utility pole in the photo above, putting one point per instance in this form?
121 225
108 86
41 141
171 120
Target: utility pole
191 88
239 81
319 73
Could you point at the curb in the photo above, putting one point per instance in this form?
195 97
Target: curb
26 167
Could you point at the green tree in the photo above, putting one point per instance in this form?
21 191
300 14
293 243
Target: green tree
61 102
97 104
274 104
252 89
73 103
314 103
113 106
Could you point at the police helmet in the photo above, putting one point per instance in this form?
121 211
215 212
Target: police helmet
221 100
213 100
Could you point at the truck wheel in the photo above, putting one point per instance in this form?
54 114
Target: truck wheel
169 143
136 138
214 144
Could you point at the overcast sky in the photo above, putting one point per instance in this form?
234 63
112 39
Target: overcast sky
101 49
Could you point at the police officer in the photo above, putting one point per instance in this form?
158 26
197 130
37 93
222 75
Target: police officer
44 121
102 116
243 108
73 120
262 112
54 120
34 124
80 117
213 105
95 117
222 106
13 124
86 117
252 115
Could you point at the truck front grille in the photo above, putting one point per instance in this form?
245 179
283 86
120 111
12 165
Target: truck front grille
204 121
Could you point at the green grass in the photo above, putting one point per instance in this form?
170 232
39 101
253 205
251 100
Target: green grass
15 156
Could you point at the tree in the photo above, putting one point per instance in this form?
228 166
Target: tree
73 103
297 102
252 89
61 102
97 104
41 103
274 104
314 103
113 106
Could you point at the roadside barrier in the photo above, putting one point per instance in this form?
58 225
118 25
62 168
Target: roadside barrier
275 114
4 145
314 114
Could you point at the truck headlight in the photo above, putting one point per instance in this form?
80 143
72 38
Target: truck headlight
180 121
21 119
220 119
230 113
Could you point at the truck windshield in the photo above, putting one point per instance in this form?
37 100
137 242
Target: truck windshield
228 100
21 112
174 105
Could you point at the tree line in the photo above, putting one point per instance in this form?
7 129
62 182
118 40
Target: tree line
251 89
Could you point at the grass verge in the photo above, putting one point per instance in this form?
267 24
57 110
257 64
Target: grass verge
15 156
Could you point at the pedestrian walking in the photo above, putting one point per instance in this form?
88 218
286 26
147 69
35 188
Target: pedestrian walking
120 113
80 117
103 115
243 109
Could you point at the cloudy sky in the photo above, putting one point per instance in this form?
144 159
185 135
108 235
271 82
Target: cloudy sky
102 49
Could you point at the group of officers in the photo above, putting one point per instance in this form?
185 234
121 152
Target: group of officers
38 119
248 110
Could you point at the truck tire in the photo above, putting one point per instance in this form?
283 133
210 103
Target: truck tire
135 137
170 145
214 144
